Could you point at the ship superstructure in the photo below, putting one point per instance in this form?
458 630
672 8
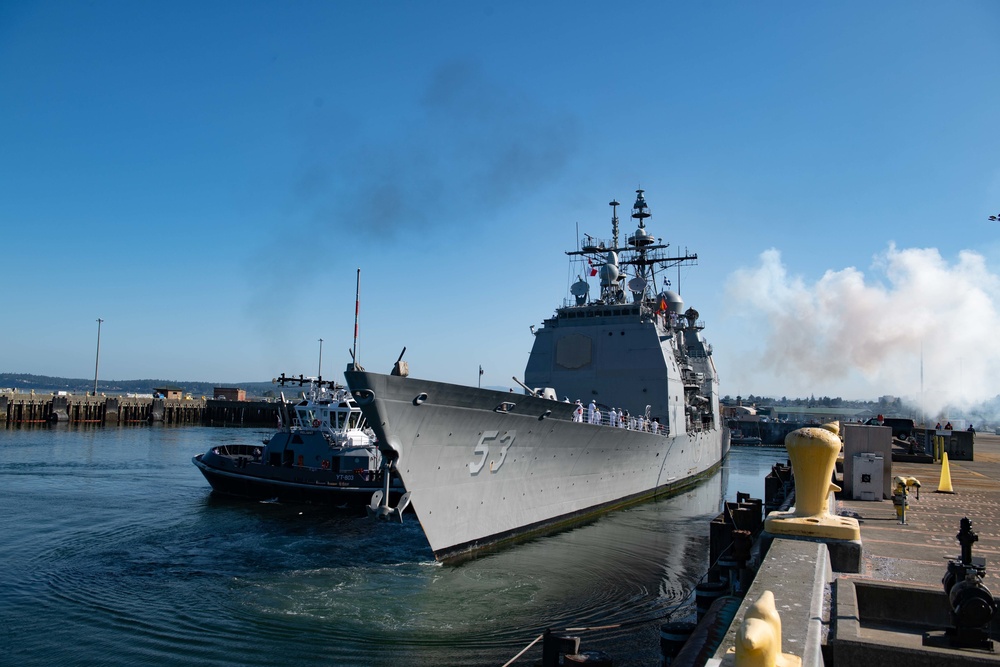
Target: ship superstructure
633 348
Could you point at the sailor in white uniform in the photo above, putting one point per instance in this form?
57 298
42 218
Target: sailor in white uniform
591 409
578 412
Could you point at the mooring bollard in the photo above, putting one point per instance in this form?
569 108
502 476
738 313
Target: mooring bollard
813 452
758 640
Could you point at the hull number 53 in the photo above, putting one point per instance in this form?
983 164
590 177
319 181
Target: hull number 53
483 450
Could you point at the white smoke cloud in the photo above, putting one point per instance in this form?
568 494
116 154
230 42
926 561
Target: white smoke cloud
917 307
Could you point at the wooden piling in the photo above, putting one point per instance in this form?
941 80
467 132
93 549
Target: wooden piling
18 409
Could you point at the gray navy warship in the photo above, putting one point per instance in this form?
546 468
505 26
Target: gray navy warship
483 467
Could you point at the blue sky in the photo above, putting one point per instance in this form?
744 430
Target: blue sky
208 177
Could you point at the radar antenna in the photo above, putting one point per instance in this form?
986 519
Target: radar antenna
645 254
614 222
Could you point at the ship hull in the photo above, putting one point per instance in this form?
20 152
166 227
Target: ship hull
480 472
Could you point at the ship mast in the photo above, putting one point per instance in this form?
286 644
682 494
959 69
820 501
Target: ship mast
641 250
614 222
640 240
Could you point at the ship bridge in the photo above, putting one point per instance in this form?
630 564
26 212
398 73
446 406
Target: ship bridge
590 311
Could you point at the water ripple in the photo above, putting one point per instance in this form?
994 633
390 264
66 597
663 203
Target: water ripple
117 553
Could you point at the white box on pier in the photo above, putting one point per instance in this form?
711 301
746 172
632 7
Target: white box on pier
867 479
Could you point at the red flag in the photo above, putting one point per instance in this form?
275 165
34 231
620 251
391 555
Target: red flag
593 269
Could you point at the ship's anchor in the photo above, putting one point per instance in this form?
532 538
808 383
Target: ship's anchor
379 506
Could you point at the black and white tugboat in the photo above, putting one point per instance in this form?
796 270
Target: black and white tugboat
323 452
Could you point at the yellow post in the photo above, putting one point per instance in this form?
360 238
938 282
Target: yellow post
758 640
944 486
900 499
813 453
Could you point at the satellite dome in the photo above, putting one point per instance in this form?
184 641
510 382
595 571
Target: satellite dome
673 300
609 271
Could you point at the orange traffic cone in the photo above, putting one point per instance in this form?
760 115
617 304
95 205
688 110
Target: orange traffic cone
944 486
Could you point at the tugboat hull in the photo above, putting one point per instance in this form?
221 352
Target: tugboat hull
256 481
323 454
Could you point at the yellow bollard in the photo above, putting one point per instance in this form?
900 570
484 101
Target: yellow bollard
813 453
944 486
758 640
901 484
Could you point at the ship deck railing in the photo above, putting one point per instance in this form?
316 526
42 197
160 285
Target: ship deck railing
234 450
628 423
632 423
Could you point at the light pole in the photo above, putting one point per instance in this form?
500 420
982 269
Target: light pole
97 363
320 372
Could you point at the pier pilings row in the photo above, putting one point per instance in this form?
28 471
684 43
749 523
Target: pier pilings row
28 409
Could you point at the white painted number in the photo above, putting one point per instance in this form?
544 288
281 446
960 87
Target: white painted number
482 449
507 440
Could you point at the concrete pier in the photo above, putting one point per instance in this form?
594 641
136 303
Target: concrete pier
879 614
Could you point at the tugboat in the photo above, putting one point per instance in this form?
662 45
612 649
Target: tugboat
323 452
485 467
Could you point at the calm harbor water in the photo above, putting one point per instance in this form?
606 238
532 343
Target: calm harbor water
116 552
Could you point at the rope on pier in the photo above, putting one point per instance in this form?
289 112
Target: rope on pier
523 651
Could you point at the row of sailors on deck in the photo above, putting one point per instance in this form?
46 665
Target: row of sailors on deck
616 418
